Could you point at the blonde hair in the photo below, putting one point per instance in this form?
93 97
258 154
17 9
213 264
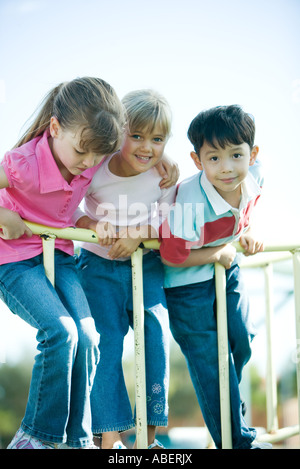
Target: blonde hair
145 109
89 104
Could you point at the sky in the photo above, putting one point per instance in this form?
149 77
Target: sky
198 54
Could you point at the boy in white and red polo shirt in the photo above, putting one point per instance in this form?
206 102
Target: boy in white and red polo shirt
212 208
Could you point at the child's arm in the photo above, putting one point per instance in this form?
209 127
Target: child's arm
250 243
169 171
224 254
105 231
3 179
86 222
130 239
11 224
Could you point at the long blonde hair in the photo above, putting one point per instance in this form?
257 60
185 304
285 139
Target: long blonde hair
89 104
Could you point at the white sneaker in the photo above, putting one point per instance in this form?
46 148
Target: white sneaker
65 446
22 440
260 445
119 445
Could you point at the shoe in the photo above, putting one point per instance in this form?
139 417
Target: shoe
119 445
22 440
260 445
65 446
156 443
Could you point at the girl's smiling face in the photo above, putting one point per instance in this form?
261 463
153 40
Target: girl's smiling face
140 151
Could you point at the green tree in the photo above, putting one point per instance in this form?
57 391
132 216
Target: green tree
14 386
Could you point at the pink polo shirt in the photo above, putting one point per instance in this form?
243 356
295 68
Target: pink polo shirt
38 193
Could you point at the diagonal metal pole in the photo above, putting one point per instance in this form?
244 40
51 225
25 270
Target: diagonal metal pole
271 385
48 257
139 348
296 264
220 279
48 235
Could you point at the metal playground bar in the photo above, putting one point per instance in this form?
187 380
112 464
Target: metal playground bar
273 253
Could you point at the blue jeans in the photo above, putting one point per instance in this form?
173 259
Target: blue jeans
108 287
193 325
58 407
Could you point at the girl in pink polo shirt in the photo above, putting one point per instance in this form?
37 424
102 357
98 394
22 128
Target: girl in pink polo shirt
43 179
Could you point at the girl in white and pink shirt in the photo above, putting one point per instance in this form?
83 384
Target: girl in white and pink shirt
126 205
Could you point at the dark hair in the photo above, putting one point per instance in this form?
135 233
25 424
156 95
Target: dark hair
89 104
222 125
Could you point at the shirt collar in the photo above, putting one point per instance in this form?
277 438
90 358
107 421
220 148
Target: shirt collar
250 190
51 179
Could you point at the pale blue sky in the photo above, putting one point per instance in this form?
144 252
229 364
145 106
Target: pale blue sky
197 53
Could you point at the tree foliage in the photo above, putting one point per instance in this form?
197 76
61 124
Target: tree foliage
14 386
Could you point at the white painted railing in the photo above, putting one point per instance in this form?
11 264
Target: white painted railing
265 261
273 253
49 234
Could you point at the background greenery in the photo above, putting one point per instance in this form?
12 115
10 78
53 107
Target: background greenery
184 409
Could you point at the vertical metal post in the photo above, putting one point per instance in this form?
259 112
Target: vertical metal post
296 262
139 347
271 388
225 409
48 254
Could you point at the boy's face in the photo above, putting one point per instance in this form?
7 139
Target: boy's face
141 150
226 168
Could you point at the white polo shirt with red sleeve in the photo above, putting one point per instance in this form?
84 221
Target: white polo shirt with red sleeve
201 217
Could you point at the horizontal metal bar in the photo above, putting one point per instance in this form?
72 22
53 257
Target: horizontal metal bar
80 234
280 435
263 259
75 234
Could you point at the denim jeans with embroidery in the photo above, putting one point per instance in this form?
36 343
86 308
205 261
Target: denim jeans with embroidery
193 324
108 287
58 408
